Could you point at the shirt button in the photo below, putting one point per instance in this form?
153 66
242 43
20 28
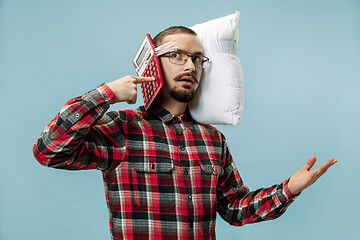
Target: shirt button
182 148
189 198
186 172
191 224
152 166
77 115
214 169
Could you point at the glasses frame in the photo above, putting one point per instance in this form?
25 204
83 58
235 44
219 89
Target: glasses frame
204 63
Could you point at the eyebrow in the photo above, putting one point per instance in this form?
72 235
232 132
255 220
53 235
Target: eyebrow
196 53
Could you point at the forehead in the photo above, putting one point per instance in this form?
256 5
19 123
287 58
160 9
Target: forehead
186 42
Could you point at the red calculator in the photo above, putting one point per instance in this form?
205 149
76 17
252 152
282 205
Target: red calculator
147 64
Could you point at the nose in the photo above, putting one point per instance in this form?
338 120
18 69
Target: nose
189 65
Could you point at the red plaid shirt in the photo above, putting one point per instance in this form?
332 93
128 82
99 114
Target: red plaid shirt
165 176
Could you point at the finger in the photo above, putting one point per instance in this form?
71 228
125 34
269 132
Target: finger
143 79
324 167
330 162
314 175
132 100
333 162
310 163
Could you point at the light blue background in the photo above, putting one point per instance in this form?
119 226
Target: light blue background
301 64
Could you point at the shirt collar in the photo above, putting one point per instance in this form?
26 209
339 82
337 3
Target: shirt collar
167 117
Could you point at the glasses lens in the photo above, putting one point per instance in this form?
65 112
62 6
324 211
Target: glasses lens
180 58
204 62
197 61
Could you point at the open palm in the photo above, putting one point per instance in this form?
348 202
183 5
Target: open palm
303 178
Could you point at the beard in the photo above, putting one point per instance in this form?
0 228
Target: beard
182 95
186 93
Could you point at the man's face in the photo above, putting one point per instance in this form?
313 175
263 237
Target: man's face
181 81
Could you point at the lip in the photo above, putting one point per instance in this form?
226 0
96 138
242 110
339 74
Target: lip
187 79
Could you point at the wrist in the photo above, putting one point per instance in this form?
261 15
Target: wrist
289 195
291 188
109 92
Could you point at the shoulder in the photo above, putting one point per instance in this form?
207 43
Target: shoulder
135 114
127 115
211 130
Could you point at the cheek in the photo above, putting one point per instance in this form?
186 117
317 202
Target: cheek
199 74
166 70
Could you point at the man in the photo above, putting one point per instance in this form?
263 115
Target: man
165 175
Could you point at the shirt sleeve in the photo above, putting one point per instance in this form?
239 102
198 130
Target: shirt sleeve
81 136
239 206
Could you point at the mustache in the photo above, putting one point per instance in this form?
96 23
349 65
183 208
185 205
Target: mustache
190 74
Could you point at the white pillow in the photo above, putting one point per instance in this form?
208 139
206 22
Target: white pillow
220 97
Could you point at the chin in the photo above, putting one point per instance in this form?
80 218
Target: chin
183 96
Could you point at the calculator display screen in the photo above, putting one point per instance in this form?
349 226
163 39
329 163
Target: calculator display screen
142 54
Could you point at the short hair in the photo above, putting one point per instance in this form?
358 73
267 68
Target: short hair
172 30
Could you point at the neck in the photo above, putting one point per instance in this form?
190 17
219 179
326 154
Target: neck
175 107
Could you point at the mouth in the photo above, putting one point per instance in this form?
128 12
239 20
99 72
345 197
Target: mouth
187 79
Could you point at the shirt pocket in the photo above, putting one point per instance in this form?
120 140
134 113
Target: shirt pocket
153 184
211 166
209 172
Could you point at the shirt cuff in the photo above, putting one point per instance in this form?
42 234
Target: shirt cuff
109 93
287 192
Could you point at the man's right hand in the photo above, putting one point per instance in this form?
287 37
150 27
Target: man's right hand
125 89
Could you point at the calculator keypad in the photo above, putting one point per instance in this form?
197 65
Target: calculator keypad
150 89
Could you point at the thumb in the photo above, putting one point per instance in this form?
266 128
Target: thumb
310 163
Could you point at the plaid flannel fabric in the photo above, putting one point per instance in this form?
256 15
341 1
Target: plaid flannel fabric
165 176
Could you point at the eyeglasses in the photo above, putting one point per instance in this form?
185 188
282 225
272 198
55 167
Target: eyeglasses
180 58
